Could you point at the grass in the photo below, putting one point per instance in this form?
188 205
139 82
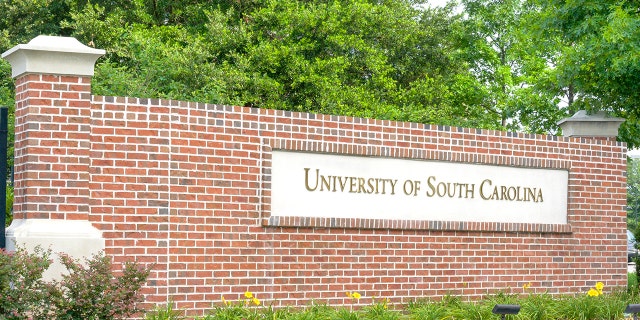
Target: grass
632 280
594 305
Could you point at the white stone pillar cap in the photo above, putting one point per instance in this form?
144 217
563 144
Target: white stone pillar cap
53 55
583 124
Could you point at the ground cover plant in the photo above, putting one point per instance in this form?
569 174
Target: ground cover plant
594 304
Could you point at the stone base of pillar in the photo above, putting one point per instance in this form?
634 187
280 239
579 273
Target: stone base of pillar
76 238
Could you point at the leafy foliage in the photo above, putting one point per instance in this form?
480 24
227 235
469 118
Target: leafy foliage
383 59
393 60
602 58
88 291
165 312
517 65
534 306
92 291
22 292
514 71
633 194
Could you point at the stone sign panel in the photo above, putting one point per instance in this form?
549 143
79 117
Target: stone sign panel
340 186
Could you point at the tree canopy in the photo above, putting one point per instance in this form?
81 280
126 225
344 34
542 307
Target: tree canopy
600 57
517 65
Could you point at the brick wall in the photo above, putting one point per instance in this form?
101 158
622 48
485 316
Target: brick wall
185 186
52 147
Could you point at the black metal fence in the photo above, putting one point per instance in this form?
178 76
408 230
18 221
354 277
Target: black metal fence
4 131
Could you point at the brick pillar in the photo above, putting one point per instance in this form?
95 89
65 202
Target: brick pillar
52 143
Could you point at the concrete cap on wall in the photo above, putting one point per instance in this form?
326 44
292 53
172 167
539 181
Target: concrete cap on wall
583 124
53 55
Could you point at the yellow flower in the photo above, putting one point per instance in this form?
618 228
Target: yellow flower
348 294
355 295
224 301
599 286
248 295
526 286
255 301
593 292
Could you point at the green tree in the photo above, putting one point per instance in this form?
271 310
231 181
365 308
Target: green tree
602 56
21 21
633 193
384 60
514 70
381 59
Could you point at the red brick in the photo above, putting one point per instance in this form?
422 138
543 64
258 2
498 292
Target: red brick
183 184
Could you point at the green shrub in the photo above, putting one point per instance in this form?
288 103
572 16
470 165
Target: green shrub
22 290
93 291
90 290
